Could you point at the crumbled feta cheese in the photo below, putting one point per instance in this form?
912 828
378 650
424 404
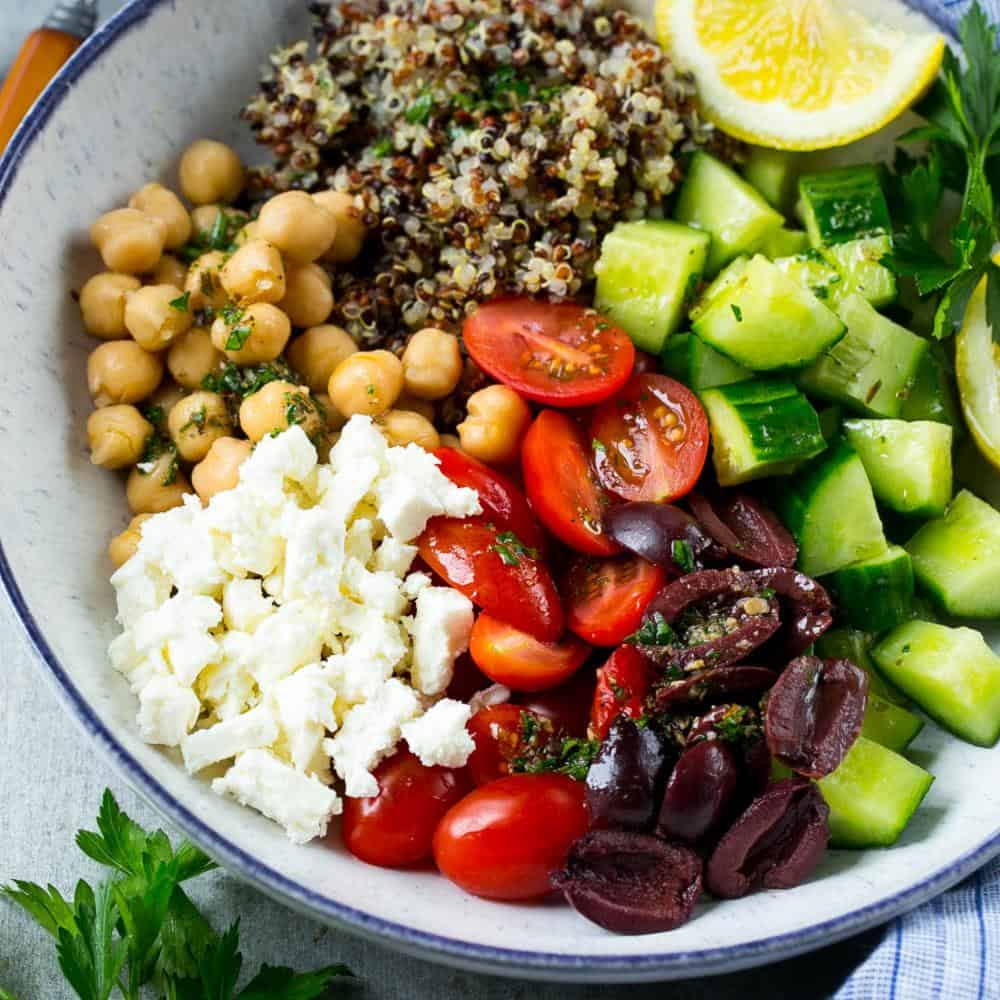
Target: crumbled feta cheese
440 630
301 803
167 711
395 556
439 735
244 605
181 544
304 703
140 587
290 638
415 583
256 728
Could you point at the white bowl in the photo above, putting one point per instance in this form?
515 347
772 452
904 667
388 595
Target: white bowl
157 76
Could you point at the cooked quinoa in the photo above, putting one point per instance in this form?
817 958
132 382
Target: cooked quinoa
490 145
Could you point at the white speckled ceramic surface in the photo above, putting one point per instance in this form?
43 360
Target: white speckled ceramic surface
160 75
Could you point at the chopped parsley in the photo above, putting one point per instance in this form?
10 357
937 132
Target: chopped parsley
236 383
239 332
238 336
737 725
680 552
197 419
298 407
597 445
154 414
219 237
382 146
654 631
181 303
157 445
545 753
419 112
511 549
737 312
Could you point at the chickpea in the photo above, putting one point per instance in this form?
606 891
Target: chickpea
255 273
220 469
269 410
334 418
298 225
351 230
498 419
156 486
308 297
249 232
414 405
196 422
315 354
210 172
451 441
162 402
168 271
403 427
116 435
252 335
162 203
120 371
204 217
204 282
367 382
432 364
154 317
122 547
102 304
192 356
128 240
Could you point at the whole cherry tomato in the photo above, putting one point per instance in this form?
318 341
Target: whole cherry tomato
622 685
560 354
505 839
499 735
396 826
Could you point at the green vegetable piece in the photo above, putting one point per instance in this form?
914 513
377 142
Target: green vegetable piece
931 395
811 271
690 360
785 243
859 264
774 173
843 204
728 276
876 593
890 725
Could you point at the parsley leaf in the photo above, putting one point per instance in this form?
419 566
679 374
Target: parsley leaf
680 552
654 631
419 112
511 549
382 146
276 982
181 302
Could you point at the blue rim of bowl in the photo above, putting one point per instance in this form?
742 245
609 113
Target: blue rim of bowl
432 946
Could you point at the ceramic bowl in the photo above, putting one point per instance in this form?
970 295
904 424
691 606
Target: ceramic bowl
159 75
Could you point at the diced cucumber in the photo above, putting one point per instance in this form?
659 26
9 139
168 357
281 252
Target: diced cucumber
876 593
908 463
647 276
957 558
858 263
949 672
690 360
727 277
811 270
842 205
785 243
764 320
763 427
976 473
830 509
716 199
890 725
830 420
931 395
852 644
774 173
871 368
872 795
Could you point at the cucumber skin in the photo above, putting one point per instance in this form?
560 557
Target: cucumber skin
843 205
931 395
785 243
876 594
774 174
932 664
698 366
859 264
890 725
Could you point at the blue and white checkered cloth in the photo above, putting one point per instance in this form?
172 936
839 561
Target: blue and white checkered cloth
948 948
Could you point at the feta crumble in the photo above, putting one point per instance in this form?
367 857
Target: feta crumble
279 632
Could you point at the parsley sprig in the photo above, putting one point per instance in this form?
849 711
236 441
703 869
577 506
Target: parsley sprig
962 111
511 549
139 930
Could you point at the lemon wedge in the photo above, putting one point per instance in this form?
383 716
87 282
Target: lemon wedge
801 74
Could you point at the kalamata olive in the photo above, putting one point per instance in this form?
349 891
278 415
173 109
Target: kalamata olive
806 609
662 534
631 883
748 529
776 842
699 792
716 684
756 770
623 780
732 723
814 714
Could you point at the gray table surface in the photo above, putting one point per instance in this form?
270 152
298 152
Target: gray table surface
51 780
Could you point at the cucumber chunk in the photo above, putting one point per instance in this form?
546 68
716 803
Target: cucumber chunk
811 270
852 644
647 275
872 795
765 321
890 725
872 367
957 558
858 263
831 419
909 464
876 593
830 509
785 243
949 672
774 173
690 360
931 394
716 199
842 205
760 428
727 277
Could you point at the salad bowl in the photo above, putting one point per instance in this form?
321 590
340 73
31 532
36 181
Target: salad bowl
154 78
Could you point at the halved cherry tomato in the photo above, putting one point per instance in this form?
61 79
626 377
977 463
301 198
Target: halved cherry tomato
504 503
652 440
496 571
498 732
518 660
505 839
605 598
466 679
622 685
562 486
567 706
396 827
560 354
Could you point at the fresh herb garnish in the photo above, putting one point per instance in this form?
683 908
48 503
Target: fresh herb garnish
181 302
511 549
737 312
219 237
232 380
239 332
155 447
597 445
654 631
197 419
680 552
382 147
154 414
419 112
138 930
571 756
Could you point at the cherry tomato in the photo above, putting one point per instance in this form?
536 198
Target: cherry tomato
622 685
498 732
518 660
496 571
505 839
504 503
560 354
396 826
605 598
562 486
567 706
652 440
